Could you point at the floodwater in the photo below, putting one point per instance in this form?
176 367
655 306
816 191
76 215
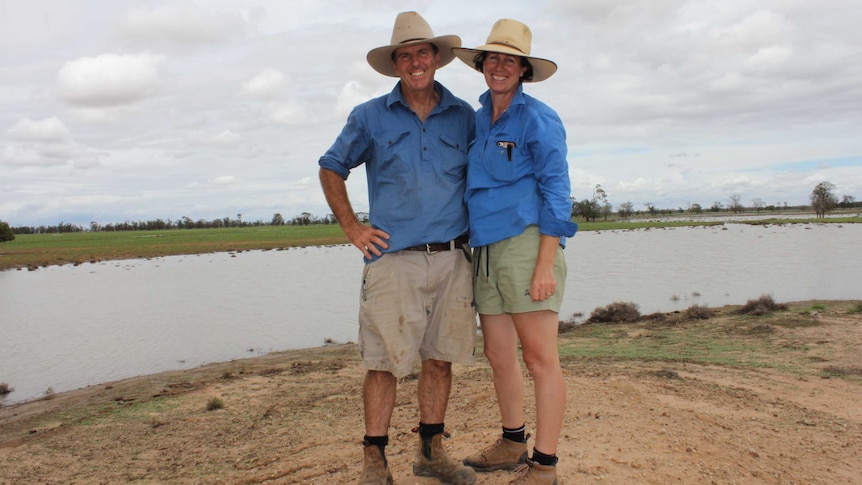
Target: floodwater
67 327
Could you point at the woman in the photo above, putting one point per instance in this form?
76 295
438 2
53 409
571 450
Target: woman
520 214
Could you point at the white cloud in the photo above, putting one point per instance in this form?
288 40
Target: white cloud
45 143
181 24
363 85
758 29
51 154
731 81
50 130
109 79
267 84
185 91
770 57
288 112
226 180
225 139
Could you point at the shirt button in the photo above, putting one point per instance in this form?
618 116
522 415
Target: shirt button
425 149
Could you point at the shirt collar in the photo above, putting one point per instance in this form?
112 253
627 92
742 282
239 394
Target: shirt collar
518 98
446 97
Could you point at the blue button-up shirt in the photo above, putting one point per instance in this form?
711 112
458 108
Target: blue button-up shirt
416 171
518 174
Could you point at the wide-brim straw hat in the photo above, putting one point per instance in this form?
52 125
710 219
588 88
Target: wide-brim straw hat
514 38
411 29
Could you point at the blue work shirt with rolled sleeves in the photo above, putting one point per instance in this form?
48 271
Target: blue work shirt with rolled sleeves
416 171
518 174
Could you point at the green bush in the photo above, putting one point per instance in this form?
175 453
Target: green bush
6 233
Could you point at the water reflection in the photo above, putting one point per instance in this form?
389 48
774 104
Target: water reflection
72 326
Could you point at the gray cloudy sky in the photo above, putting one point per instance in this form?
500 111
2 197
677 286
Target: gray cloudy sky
117 110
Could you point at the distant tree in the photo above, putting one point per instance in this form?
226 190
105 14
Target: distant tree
847 201
587 209
6 233
607 210
716 207
735 203
591 209
651 208
626 210
823 199
277 219
303 219
695 208
757 203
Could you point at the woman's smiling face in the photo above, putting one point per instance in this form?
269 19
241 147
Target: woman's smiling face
502 72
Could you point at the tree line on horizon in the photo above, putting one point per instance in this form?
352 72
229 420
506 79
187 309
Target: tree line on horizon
823 200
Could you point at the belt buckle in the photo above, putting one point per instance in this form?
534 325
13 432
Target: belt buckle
428 249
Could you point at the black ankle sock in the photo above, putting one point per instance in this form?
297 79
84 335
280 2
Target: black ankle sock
518 435
380 441
426 432
543 459
429 430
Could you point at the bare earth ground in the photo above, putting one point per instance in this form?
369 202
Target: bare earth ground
296 417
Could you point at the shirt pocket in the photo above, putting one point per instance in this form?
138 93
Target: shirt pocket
393 146
453 157
505 158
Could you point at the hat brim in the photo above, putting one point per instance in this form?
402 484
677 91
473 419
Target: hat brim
542 68
381 58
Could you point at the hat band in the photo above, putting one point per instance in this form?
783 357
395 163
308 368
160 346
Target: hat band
509 47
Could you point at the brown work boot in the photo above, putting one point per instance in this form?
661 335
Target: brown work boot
502 455
440 466
532 473
375 470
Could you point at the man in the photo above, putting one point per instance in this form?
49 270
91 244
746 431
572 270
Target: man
416 296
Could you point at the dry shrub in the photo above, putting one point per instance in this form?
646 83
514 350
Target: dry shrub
761 306
214 403
699 312
835 371
5 389
616 312
570 324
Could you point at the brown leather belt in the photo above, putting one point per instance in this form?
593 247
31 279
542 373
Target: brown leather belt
432 248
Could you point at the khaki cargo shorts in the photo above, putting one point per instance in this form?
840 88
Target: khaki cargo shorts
414 305
503 271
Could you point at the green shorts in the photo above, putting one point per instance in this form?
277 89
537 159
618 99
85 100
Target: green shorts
502 273
413 306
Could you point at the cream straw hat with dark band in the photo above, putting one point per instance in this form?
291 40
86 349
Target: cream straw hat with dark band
510 37
411 29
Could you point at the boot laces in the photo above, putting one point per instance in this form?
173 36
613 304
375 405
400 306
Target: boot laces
522 470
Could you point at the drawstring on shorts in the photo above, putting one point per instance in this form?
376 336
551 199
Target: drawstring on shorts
487 251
